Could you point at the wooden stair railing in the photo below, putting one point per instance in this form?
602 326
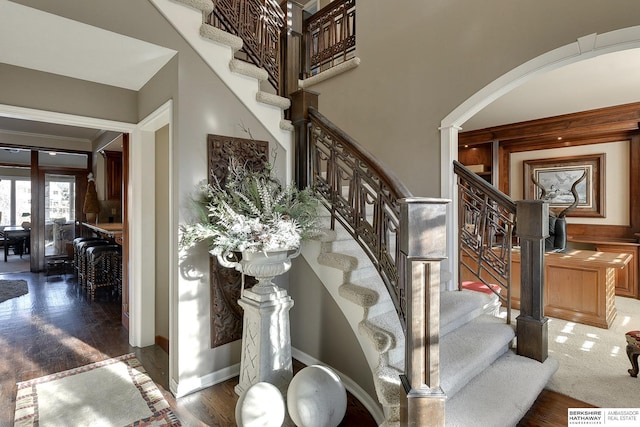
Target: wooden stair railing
330 36
404 236
259 24
312 44
486 221
487 218
289 45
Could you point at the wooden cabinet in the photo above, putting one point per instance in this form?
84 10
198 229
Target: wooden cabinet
579 285
481 159
113 166
626 278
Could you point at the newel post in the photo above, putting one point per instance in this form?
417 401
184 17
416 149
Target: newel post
422 242
301 100
291 47
532 228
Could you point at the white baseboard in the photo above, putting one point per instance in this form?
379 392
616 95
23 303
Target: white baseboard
195 384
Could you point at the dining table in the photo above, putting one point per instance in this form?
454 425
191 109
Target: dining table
16 236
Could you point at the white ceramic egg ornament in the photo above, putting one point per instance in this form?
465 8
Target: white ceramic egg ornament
261 405
316 398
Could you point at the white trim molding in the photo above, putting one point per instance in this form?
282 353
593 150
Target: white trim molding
329 73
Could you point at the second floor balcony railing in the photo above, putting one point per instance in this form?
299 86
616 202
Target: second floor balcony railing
330 36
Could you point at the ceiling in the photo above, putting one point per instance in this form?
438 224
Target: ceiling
89 53
603 81
73 49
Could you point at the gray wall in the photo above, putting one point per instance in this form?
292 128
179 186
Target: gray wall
44 91
422 59
329 339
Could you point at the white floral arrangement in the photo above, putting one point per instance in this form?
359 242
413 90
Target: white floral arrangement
253 212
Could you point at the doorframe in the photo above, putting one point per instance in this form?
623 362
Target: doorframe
142 325
583 48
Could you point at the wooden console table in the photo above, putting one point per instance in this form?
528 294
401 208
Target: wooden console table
579 285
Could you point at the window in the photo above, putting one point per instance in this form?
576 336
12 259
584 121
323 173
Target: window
59 213
15 200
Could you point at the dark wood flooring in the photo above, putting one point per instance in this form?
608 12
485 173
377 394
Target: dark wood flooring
55 328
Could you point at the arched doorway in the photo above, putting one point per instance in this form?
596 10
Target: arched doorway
584 48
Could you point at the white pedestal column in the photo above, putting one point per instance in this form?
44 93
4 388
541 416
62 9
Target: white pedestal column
266 341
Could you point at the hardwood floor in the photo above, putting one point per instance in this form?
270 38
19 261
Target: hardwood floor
54 328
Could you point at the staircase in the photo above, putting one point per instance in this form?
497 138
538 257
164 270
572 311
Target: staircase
485 382
218 48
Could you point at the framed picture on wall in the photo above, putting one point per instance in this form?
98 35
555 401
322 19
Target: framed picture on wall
557 177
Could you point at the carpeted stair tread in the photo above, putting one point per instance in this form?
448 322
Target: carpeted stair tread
502 394
359 295
374 285
380 334
342 262
470 349
247 69
286 125
217 35
388 387
346 260
460 307
388 322
324 235
273 99
205 6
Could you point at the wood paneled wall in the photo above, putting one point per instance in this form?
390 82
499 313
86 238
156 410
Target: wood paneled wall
619 123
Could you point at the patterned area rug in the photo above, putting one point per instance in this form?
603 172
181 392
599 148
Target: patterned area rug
114 392
12 288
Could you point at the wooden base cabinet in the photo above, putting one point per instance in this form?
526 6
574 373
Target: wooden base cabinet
579 285
626 278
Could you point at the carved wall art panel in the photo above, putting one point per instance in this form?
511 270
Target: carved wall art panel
226 314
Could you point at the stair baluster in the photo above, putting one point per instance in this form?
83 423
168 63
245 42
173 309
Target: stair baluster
487 218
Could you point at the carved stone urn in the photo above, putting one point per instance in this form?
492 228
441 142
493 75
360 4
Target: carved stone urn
266 340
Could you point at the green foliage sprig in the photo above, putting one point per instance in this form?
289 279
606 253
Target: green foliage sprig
253 212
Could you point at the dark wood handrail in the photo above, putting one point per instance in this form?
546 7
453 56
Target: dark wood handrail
364 196
495 194
391 180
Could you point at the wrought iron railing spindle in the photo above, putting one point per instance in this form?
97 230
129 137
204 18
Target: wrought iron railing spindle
330 36
487 220
259 24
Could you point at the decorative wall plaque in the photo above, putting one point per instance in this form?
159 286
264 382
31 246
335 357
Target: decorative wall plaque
226 314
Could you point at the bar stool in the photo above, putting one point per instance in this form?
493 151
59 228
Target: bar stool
82 258
102 268
76 252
